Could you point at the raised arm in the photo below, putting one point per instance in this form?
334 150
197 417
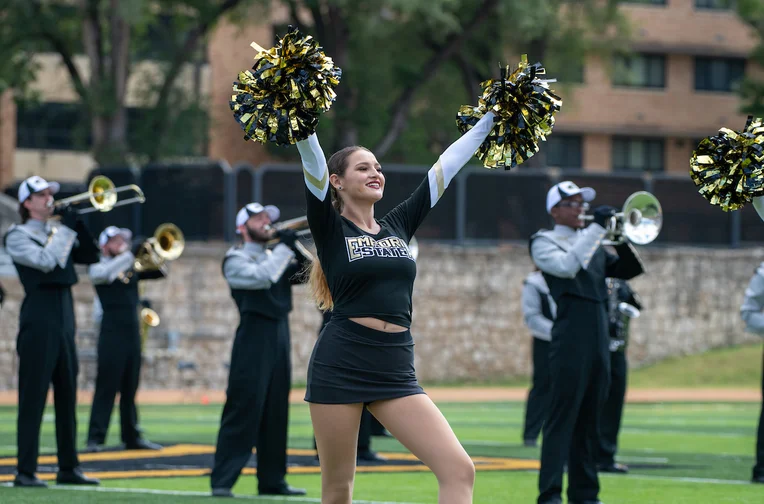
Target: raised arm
314 169
552 259
244 273
25 250
410 213
108 269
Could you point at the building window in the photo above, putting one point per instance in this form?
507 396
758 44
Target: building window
637 154
718 74
54 126
640 70
563 151
645 2
714 4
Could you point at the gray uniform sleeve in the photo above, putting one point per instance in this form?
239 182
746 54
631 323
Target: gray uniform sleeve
566 264
751 309
25 250
244 273
539 325
105 272
758 204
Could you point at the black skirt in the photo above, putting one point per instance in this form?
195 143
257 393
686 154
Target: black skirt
352 364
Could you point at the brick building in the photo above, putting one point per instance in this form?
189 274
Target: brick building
646 112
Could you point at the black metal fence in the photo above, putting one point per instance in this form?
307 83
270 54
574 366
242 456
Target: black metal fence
480 206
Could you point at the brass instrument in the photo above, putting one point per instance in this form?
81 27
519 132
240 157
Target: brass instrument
149 318
298 224
167 244
639 221
103 196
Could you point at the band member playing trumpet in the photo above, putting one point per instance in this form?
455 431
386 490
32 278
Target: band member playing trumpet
575 266
256 411
119 342
623 305
44 253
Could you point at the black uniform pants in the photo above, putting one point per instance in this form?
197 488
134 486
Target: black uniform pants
537 405
47 354
579 364
612 412
758 469
119 370
256 411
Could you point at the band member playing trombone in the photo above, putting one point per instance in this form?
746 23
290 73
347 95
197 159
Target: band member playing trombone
575 266
44 253
119 342
256 412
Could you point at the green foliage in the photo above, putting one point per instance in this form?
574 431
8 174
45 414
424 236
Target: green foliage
752 88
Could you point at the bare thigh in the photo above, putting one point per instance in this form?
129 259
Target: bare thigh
419 425
336 429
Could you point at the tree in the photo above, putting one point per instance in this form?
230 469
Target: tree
114 35
393 52
752 89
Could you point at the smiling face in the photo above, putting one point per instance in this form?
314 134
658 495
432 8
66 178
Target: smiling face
39 204
362 180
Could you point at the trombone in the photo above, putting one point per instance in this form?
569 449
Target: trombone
167 244
639 221
299 225
102 195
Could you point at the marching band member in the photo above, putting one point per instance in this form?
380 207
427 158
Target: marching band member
364 356
256 411
619 292
538 314
575 266
119 341
752 312
44 253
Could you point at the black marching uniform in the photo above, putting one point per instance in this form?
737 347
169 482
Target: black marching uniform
752 313
575 267
44 254
119 348
619 292
538 313
256 412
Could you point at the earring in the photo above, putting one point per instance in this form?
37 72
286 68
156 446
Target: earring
339 188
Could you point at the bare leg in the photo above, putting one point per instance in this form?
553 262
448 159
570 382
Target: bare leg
336 429
420 426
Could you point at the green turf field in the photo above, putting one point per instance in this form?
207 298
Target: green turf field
679 453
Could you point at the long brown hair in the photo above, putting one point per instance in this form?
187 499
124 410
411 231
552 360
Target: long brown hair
319 288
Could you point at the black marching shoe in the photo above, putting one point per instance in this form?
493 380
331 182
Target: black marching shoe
283 489
142 444
553 500
222 492
758 479
369 456
93 447
29 481
612 468
530 443
75 477
585 502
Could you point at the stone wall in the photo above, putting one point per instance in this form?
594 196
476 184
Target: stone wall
467 317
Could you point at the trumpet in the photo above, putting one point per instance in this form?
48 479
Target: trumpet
167 244
639 221
103 196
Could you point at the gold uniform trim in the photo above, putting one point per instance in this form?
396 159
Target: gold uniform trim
320 184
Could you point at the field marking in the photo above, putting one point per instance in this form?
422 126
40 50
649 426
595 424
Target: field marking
682 479
207 494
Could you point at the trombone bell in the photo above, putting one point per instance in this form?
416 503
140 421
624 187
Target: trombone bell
167 244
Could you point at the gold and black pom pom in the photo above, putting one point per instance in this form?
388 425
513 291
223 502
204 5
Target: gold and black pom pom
728 167
524 107
290 85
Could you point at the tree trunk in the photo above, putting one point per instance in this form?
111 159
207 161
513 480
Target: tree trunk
346 130
120 53
400 113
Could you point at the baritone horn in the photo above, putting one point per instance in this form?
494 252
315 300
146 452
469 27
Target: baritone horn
102 195
167 244
639 221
